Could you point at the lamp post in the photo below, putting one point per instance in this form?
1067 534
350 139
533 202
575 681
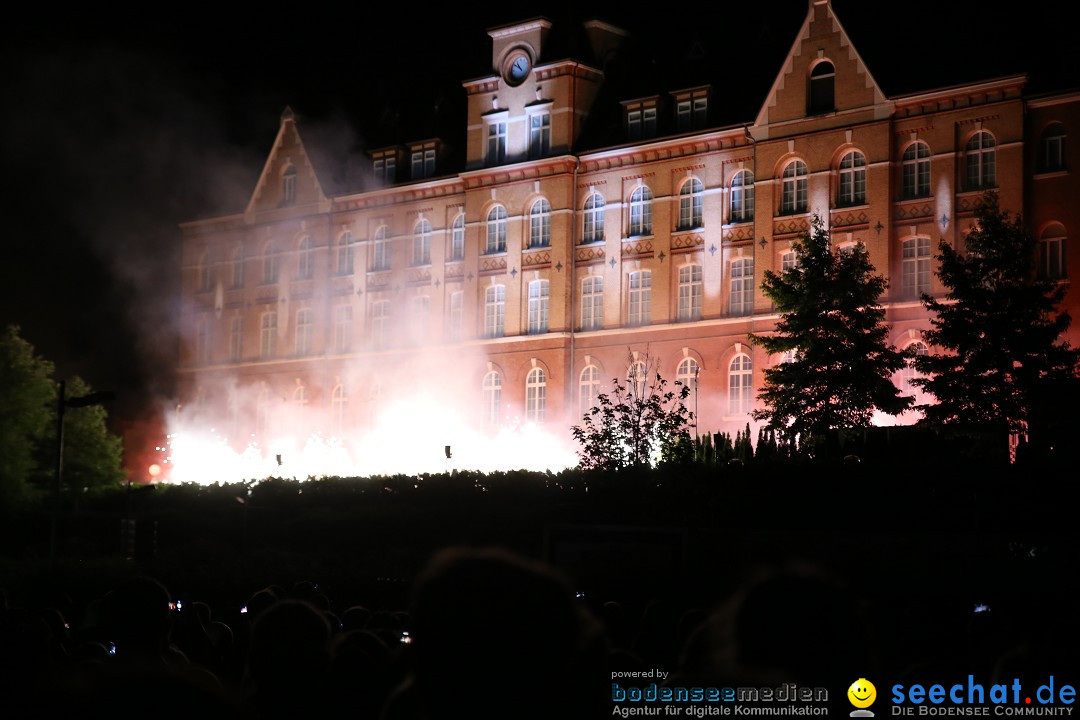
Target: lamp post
62 402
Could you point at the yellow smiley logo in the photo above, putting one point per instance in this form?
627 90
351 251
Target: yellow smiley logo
862 693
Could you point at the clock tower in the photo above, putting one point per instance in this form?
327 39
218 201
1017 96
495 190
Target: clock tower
529 108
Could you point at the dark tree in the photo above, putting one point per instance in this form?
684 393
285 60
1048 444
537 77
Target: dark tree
838 365
636 423
998 325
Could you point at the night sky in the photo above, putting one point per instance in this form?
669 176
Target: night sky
116 128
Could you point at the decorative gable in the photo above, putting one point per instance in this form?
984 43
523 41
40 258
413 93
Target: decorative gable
288 179
823 75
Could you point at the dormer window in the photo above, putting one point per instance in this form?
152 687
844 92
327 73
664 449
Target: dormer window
385 167
691 109
640 119
422 161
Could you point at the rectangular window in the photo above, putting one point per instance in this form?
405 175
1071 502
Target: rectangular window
417 164
457 303
342 328
496 143
386 169
690 292
495 311
592 303
640 298
539 135
380 318
303 331
701 111
268 335
915 273
236 339
742 287
640 122
682 116
633 124
538 307
202 342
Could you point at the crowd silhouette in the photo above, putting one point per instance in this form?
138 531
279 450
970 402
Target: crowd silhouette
491 634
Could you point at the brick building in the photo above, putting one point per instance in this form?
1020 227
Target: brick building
555 257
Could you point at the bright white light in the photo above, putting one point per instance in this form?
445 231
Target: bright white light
409 437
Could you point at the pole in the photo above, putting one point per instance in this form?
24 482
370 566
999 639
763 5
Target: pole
58 472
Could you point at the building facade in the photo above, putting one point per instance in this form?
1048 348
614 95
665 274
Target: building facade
523 283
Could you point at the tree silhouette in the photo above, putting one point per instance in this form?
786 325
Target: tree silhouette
999 326
838 365
636 422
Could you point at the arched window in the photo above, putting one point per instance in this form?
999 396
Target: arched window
691 202
304 327
421 247
909 372
1052 253
915 266
496 230
540 224
271 263
380 249
641 212
915 182
793 191
1052 150
538 307
588 388
822 97
339 402
851 189
305 263
637 376
980 159
687 373
494 311
740 384
639 301
457 238
742 197
691 290
492 397
592 302
300 394
535 395
593 219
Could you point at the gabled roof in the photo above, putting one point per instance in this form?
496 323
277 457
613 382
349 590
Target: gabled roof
287 156
820 37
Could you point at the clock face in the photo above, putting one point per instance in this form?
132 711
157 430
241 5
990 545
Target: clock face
519 69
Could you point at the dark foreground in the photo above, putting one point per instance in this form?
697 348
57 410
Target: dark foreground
292 599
